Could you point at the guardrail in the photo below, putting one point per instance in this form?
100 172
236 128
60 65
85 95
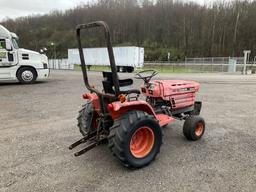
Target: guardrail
216 64
61 64
190 67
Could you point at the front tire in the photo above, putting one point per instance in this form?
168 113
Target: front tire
27 75
194 128
135 139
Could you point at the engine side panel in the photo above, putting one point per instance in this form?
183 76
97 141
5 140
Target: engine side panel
178 93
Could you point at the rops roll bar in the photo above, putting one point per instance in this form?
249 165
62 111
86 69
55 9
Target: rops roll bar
110 54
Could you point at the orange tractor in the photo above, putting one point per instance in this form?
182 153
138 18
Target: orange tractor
131 126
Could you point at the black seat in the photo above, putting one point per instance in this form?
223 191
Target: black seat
108 84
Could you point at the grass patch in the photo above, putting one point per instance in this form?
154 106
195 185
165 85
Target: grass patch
169 69
160 69
93 68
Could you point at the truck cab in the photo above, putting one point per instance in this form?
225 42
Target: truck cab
20 64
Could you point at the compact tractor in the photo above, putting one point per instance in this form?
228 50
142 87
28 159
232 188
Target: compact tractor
131 126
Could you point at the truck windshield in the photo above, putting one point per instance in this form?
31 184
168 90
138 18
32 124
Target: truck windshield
15 43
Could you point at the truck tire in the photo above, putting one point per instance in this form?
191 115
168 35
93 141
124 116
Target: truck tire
135 139
27 75
122 69
85 119
194 128
129 69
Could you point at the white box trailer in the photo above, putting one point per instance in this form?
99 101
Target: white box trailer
127 58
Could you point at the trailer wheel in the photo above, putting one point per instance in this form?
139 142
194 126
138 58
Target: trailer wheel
122 69
135 139
85 119
27 75
194 128
130 69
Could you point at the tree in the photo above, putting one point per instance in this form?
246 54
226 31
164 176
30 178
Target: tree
161 26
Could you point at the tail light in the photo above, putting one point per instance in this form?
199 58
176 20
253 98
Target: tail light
122 98
110 107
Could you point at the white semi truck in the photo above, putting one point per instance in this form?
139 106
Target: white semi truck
16 63
127 58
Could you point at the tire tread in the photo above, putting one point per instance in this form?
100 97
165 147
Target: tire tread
120 130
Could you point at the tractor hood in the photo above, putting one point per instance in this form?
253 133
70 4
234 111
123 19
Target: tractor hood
173 86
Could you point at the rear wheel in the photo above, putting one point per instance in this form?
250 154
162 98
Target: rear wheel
193 128
27 75
86 119
122 69
130 69
135 139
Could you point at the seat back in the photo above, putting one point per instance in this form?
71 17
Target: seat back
108 83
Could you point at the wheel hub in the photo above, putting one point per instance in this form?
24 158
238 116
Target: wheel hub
27 76
142 142
199 129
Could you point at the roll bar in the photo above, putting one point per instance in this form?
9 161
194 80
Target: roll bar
110 54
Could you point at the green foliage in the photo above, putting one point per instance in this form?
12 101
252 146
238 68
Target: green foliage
161 26
154 52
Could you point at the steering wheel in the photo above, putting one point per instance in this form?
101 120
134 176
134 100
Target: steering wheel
146 75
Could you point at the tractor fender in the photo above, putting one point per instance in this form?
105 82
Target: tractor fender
92 97
117 109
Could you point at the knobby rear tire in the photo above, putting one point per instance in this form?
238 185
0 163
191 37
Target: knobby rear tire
121 133
84 117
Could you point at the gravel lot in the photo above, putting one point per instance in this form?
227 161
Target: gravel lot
38 122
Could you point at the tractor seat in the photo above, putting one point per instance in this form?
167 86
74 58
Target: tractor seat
125 84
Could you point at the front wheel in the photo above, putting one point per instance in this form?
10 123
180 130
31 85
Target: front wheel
26 75
194 128
135 139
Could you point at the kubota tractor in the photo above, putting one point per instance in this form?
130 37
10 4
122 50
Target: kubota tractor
131 126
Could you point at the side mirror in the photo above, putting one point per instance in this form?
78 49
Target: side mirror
8 45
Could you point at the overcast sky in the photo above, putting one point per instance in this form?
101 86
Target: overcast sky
17 8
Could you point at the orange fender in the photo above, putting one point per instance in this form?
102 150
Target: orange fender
117 109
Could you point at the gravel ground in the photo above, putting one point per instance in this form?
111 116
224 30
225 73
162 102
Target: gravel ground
38 122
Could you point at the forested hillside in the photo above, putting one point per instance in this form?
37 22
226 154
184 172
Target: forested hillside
183 29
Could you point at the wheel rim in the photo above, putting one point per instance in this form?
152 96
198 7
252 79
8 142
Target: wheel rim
27 76
142 142
199 129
